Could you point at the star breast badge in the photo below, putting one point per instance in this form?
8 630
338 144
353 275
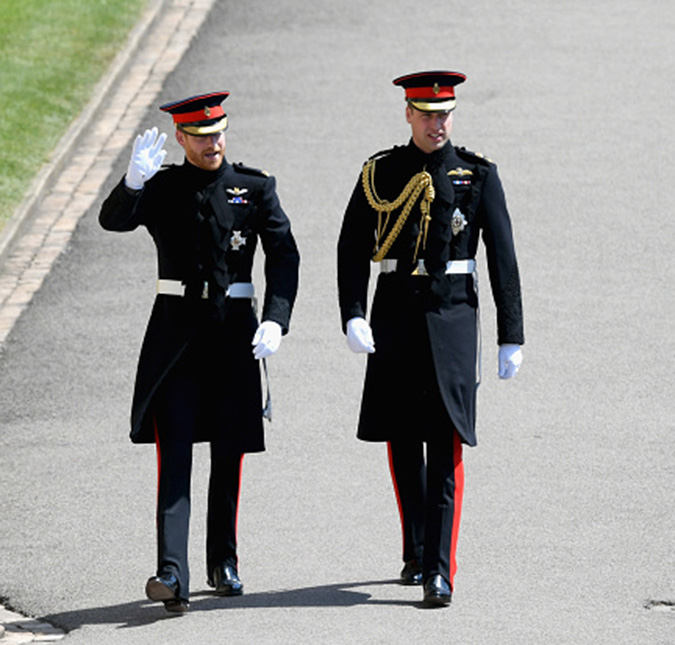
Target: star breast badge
237 195
237 240
458 222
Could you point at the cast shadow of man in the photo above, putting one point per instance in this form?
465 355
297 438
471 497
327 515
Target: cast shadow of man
144 612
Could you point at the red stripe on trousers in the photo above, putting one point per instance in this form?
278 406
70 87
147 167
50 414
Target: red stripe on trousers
458 498
459 495
236 517
398 497
159 459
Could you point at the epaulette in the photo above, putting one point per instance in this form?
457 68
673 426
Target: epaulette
474 157
240 167
385 153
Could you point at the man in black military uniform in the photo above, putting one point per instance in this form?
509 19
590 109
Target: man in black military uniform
198 375
418 211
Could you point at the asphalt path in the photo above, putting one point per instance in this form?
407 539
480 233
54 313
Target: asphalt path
568 523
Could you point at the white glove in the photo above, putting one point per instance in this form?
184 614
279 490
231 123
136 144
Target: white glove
146 158
267 339
360 336
510 359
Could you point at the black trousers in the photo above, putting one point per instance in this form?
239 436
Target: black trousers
429 489
176 412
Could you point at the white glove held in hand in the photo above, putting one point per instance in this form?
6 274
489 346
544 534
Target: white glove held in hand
267 339
146 158
360 336
510 359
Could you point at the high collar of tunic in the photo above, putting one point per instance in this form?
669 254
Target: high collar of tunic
197 178
432 159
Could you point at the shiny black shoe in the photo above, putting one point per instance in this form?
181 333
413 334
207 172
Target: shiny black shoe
164 589
226 581
437 592
176 606
411 574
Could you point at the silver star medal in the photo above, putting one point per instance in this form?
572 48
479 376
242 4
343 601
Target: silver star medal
458 222
237 240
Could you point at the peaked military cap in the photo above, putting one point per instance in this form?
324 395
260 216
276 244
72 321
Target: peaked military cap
199 115
431 91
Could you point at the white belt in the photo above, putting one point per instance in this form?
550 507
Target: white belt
177 288
453 267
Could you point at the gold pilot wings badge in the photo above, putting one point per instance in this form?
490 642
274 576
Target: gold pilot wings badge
460 176
237 195
460 171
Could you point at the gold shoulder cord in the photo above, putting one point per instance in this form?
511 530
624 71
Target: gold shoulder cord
410 194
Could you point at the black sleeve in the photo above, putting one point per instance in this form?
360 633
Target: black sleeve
120 211
501 258
354 253
282 259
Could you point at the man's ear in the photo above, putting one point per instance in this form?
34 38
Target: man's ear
180 137
408 113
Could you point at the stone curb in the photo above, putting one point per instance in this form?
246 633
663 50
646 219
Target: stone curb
67 186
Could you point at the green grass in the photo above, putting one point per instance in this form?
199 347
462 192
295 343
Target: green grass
52 54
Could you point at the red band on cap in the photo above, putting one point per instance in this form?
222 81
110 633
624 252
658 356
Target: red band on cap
214 112
436 92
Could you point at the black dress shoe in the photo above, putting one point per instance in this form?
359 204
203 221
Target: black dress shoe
411 574
162 587
176 606
437 592
226 581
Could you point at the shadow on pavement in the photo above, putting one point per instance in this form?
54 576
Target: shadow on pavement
145 612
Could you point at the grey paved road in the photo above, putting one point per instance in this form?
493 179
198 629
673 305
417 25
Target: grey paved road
568 521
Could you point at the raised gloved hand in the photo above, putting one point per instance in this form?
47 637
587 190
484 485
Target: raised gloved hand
266 339
510 359
360 336
146 158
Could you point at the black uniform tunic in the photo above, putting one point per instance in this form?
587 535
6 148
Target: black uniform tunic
206 226
422 378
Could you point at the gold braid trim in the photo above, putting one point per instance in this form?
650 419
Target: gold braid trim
410 194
